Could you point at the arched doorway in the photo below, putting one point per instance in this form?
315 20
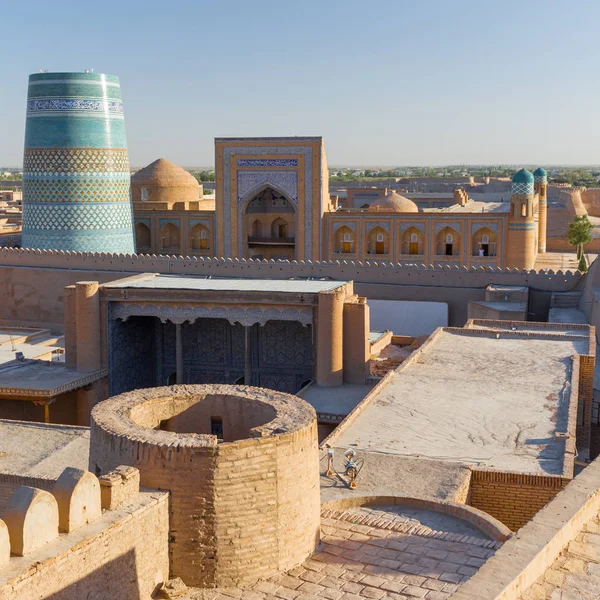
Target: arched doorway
269 226
142 236
170 237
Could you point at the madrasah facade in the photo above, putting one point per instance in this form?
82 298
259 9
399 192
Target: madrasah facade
272 201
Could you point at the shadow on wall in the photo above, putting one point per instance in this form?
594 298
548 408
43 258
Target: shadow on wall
116 579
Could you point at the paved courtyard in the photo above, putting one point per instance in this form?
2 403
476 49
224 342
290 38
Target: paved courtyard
380 553
575 574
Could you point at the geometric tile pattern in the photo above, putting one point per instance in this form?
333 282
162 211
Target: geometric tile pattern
522 187
284 181
71 217
77 189
271 162
540 178
56 161
76 178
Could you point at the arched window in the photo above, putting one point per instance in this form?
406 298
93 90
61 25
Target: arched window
257 228
485 238
170 236
380 237
524 209
144 194
413 238
142 235
347 238
199 237
449 238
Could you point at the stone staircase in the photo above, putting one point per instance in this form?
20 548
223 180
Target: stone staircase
565 299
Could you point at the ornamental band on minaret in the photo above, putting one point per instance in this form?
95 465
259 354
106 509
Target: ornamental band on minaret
76 177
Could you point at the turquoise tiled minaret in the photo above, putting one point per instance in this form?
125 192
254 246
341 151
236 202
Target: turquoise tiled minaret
76 178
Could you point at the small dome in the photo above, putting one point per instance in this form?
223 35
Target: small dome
522 176
539 172
163 173
393 202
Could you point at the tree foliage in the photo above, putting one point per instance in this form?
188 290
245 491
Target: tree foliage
580 231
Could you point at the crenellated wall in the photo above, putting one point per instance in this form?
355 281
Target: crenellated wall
84 538
26 272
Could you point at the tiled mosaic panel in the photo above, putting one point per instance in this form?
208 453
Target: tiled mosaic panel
522 187
55 161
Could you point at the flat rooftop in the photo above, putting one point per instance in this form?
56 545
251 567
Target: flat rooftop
493 400
42 450
335 400
40 378
475 206
179 282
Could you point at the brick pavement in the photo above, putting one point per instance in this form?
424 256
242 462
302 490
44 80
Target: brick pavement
365 557
575 574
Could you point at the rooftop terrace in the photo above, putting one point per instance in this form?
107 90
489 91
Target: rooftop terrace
455 400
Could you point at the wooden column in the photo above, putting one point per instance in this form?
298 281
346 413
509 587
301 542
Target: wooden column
248 355
178 353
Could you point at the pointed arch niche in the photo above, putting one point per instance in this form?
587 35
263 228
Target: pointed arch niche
269 225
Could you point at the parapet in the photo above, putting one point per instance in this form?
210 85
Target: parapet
68 545
34 517
241 464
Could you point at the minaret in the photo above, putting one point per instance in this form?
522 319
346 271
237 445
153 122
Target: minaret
520 249
541 188
76 177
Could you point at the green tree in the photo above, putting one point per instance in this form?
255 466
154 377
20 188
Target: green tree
580 233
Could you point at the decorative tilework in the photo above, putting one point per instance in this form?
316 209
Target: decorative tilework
475 227
76 179
540 178
456 226
56 161
522 187
383 225
339 224
272 162
194 222
51 106
71 217
305 151
76 189
163 222
405 226
75 81
250 181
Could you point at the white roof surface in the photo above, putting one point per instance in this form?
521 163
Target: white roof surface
476 400
178 282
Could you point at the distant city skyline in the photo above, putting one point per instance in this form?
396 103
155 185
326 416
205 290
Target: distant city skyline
388 84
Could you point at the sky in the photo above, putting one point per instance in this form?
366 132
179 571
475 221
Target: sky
385 82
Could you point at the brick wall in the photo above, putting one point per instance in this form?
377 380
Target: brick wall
123 555
512 498
239 510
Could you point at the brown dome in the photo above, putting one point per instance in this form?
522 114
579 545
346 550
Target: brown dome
163 173
162 181
393 202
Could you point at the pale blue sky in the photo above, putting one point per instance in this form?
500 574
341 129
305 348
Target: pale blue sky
384 82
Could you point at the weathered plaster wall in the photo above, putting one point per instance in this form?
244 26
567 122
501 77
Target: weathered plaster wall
26 272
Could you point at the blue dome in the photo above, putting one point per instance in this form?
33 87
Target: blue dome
539 172
522 176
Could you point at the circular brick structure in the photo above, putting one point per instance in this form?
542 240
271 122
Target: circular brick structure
242 507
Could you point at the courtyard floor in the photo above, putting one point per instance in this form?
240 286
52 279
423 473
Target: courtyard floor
381 553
